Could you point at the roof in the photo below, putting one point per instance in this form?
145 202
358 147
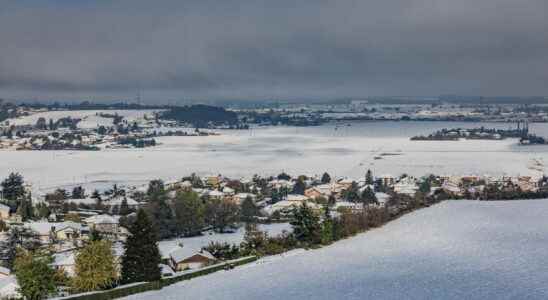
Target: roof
182 253
4 270
102 219
4 207
64 259
44 228
9 287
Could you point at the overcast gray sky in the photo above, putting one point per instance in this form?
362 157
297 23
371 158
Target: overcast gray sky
256 49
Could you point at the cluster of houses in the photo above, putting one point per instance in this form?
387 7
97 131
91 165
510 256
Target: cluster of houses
275 195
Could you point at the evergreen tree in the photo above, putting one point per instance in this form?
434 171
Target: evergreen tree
142 256
96 195
352 193
425 186
369 177
326 178
368 196
155 188
306 224
124 208
162 217
78 193
25 209
94 267
254 239
299 187
189 212
249 210
8 249
284 176
34 275
13 190
95 235
327 227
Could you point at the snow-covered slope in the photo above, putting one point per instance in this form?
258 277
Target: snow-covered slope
454 250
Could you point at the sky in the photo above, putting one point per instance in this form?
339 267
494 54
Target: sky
265 49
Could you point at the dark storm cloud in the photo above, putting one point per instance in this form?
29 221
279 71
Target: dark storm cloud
266 49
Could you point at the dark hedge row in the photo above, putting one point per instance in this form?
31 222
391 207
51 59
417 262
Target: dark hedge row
156 285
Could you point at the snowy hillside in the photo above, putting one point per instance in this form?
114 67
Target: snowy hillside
454 250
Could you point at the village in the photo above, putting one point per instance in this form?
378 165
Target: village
92 131
200 220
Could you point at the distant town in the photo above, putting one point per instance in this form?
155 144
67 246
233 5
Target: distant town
107 129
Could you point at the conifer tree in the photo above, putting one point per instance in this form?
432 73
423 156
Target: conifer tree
369 177
306 224
142 256
326 178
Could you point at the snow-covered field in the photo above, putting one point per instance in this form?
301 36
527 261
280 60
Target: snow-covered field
90 118
237 237
454 250
339 150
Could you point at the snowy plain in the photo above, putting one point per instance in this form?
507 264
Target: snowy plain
338 149
453 250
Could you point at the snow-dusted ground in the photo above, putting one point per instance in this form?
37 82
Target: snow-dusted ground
339 150
237 237
90 119
454 250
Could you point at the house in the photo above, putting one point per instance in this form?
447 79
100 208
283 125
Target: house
406 186
184 258
216 195
4 272
4 212
240 197
48 232
387 180
9 288
65 262
296 198
452 186
103 223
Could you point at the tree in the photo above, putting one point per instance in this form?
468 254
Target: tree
369 177
284 176
327 227
222 213
8 249
189 213
326 178
306 224
368 196
94 267
142 256
299 186
254 239
155 187
13 189
25 209
41 211
425 186
78 193
35 277
96 195
124 208
162 217
352 193
249 209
